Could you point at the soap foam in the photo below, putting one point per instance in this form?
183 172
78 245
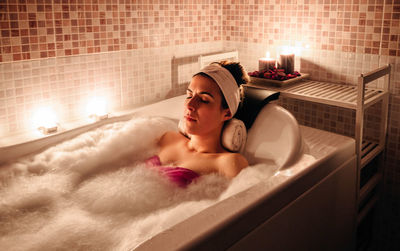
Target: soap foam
94 192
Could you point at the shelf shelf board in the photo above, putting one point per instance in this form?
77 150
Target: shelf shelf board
367 208
369 150
340 95
369 186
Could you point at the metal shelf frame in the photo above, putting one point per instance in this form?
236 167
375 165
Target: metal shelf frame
356 97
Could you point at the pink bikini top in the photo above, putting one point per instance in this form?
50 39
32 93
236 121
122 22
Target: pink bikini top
179 175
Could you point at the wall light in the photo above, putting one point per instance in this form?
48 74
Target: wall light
45 120
97 109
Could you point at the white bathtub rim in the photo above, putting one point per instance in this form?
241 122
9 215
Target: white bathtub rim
257 190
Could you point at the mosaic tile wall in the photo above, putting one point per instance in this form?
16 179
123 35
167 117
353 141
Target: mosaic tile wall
362 26
32 29
61 52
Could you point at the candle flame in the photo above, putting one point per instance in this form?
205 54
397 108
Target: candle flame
267 54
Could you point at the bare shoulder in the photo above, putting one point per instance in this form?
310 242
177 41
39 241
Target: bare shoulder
170 137
230 164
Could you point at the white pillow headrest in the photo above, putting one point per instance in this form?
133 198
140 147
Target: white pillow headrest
233 136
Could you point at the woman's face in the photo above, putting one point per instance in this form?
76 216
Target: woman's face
204 113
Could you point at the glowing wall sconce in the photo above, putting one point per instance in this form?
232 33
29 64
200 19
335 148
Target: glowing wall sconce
97 109
45 120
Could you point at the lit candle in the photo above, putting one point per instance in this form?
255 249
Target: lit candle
286 62
267 63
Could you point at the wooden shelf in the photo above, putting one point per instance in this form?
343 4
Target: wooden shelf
356 97
327 93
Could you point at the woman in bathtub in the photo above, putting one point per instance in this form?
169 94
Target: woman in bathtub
213 97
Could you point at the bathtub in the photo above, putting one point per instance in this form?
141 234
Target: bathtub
307 203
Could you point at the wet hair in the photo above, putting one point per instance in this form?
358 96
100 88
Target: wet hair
238 73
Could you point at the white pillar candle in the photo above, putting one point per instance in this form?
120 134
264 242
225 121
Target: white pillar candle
267 63
286 62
